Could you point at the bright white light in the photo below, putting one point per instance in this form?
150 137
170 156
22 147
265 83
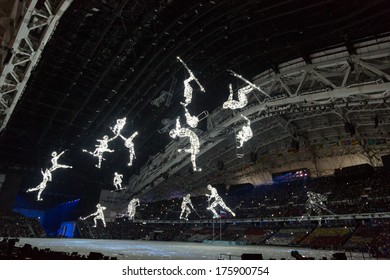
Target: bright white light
118 180
185 210
101 148
192 121
315 202
120 123
252 85
242 98
217 201
54 161
242 94
187 87
41 187
194 142
98 215
133 204
245 133
130 145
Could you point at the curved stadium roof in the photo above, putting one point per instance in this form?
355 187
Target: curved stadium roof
323 63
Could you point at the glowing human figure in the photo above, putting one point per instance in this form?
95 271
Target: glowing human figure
133 204
101 148
130 145
192 121
242 94
315 202
54 161
184 207
242 98
187 87
245 133
41 187
99 215
194 142
118 180
217 201
120 123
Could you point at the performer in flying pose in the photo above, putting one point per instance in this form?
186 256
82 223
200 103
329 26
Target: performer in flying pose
194 142
42 186
242 98
192 121
315 202
118 181
120 123
133 204
98 215
242 94
245 133
187 87
54 161
101 148
130 145
185 210
217 201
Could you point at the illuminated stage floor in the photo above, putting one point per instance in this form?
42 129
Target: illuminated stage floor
143 250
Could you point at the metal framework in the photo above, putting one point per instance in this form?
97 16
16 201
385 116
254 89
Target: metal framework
307 101
361 216
33 34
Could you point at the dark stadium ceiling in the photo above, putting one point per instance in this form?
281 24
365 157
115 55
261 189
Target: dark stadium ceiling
110 59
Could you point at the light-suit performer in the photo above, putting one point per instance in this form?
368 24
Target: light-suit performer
185 210
187 87
41 187
133 204
99 215
118 180
194 141
54 161
242 94
217 201
101 148
242 98
315 202
245 133
130 145
120 123
192 121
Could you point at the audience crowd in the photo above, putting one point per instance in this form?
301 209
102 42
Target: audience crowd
253 206
265 215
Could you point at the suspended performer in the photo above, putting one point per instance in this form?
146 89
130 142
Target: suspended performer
185 210
194 142
187 87
101 148
47 177
133 204
54 161
130 145
217 201
98 215
245 133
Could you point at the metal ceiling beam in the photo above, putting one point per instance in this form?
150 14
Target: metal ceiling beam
84 65
26 52
310 100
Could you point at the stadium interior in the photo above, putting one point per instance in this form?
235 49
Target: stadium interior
316 77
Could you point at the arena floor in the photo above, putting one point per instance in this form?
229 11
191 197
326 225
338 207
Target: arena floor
158 250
